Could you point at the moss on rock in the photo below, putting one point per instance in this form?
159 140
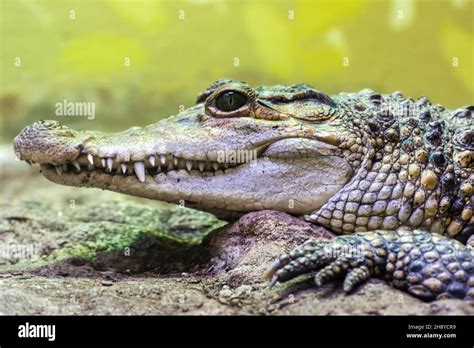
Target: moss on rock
86 230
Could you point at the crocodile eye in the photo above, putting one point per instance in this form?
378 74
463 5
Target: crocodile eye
231 101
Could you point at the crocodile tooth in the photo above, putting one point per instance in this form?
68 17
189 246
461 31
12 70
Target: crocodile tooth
110 164
162 160
76 165
90 158
59 170
151 159
215 166
175 161
123 166
139 170
102 162
201 166
189 165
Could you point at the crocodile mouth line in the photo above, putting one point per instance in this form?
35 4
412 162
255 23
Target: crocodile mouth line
164 163
153 165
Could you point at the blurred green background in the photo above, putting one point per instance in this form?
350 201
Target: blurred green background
77 50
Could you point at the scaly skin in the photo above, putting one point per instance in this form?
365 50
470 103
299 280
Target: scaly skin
426 265
363 164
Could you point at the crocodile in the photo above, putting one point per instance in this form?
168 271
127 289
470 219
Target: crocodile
392 176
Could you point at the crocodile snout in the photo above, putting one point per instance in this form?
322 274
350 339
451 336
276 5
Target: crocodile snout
48 142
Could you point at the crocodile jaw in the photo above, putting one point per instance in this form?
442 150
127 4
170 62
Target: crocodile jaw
177 160
244 188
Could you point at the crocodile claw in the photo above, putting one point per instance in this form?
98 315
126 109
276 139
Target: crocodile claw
328 260
427 266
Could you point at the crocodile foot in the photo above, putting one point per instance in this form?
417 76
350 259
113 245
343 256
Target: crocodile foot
428 266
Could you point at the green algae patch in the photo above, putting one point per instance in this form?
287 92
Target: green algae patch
86 230
117 238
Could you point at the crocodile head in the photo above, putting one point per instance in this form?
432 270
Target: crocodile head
237 150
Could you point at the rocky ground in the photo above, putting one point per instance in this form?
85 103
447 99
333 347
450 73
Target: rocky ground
95 252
